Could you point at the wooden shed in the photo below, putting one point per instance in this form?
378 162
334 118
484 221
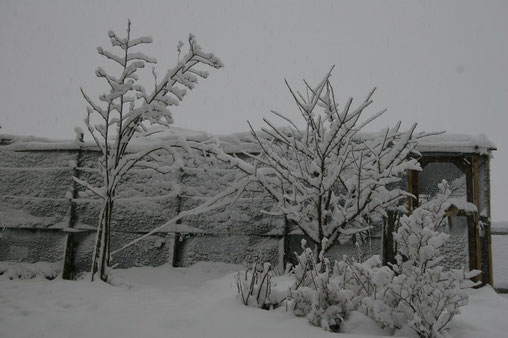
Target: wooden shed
464 161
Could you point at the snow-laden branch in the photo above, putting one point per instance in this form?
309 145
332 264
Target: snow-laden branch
127 110
326 177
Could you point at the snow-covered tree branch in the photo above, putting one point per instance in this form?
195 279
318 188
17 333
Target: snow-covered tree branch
128 111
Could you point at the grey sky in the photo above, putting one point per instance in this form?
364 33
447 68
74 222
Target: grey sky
443 64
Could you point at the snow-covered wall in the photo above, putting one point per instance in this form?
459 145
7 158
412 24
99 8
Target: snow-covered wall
31 245
40 207
33 187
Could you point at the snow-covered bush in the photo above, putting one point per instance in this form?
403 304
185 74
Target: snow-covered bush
319 293
316 292
369 282
415 292
327 298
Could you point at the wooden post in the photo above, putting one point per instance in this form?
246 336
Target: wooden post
176 249
412 186
473 263
177 236
388 249
286 255
67 270
486 220
476 201
472 226
488 232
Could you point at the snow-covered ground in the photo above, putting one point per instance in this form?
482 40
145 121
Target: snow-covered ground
199 301
500 253
500 226
500 260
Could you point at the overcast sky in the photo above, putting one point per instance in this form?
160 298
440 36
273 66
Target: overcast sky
443 64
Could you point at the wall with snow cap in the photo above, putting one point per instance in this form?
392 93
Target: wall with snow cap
41 206
37 210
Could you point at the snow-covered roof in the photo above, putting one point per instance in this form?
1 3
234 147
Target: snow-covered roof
456 143
242 142
460 204
19 143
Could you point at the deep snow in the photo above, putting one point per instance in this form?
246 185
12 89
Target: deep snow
199 301
500 260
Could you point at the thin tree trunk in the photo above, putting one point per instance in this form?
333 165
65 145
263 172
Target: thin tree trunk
100 259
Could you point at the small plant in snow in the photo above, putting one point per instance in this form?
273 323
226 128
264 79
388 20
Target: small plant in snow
327 298
319 292
255 285
127 111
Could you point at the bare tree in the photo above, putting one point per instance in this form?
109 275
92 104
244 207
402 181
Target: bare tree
328 177
126 111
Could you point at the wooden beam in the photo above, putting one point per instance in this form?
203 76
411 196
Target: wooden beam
488 233
389 227
177 239
472 232
286 254
412 186
67 270
471 240
476 201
